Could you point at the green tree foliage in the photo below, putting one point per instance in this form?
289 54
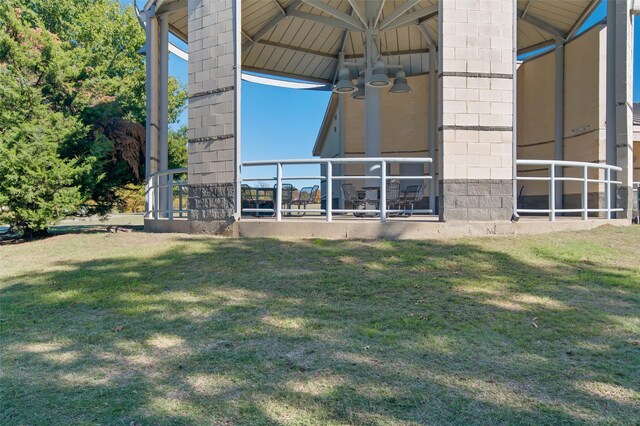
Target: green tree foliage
37 186
178 147
72 106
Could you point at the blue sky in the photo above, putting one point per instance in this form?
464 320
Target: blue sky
282 123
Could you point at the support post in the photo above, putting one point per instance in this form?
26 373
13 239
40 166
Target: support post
341 167
163 109
619 111
372 144
559 119
433 81
151 139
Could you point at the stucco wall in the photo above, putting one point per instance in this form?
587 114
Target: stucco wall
404 125
584 112
331 149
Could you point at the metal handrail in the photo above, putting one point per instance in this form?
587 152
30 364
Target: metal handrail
164 181
329 178
552 178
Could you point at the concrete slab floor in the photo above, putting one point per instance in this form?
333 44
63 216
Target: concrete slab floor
414 227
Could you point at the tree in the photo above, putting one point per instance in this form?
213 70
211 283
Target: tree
73 63
178 147
37 186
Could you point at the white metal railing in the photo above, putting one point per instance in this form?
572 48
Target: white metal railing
161 192
552 178
329 178
636 201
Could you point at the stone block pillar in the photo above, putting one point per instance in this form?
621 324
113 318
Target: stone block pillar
213 115
475 55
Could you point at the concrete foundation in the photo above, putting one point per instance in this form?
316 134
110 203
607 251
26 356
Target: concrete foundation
164 226
410 229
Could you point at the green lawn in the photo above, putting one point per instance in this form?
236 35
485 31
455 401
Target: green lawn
141 329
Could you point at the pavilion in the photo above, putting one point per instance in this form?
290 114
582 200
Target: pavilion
463 52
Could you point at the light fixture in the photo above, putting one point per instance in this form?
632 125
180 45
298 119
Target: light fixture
400 83
359 94
344 85
379 76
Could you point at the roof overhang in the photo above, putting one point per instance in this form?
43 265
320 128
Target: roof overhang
303 38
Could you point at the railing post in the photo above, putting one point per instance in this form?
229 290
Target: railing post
607 191
180 199
383 191
157 194
585 192
147 204
329 194
432 187
278 192
170 196
552 192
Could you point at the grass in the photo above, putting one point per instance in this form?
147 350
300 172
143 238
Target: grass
142 329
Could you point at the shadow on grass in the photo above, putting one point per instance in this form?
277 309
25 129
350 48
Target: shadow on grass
226 331
9 238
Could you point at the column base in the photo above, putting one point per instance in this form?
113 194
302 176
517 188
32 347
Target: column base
476 199
211 208
624 201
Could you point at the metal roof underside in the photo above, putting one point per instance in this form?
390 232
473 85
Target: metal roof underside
302 38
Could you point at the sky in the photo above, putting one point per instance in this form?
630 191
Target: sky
280 123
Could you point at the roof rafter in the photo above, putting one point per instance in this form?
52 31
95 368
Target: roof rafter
542 24
396 13
535 47
583 17
323 20
297 49
280 7
355 8
526 8
270 25
343 44
375 22
417 17
432 39
318 4
391 53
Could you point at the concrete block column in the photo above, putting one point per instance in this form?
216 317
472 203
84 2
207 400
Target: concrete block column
213 115
475 63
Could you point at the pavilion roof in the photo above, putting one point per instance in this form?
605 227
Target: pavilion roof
303 38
